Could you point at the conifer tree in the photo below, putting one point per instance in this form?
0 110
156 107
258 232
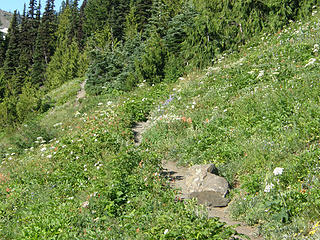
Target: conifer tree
3 48
45 44
25 57
12 57
80 30
99 13
64 63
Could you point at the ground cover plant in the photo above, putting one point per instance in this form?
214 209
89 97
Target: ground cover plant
72 170
90 181
256 115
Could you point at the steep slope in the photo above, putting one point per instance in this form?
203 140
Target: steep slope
255 114
5 18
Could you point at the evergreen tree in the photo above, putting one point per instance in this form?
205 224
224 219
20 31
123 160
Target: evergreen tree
45 44
100 13
25 58
142 13
3 48
80 30
64 64
152 64
12 58
32 9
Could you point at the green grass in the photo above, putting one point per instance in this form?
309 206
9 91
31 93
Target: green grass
90 182
252 112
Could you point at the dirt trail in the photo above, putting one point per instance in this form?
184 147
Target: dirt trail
176 174
82 92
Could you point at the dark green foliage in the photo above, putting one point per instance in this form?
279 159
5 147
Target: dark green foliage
12 55
105 70
3 48
142 13
65 63
152 63
100 13
45 44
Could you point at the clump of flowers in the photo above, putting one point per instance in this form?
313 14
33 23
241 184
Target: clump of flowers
276 172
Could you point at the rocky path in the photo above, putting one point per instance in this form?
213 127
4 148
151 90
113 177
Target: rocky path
177 175
178 178
82 92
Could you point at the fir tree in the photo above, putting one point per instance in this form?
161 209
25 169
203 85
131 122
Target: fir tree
12 58
3 48
45 44
64 64
100 13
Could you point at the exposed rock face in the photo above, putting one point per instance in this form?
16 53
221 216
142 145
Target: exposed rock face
5 18
202 183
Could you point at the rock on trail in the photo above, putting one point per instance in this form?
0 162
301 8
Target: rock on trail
203 183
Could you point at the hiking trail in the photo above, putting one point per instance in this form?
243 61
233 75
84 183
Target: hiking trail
176 174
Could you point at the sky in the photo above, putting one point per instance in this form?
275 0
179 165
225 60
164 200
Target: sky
11 5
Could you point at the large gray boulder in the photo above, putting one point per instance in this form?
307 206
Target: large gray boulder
203 184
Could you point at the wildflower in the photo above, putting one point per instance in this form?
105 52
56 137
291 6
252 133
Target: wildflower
43 149
311 62
261 73
268 187
99 104
277 171
85 204
166 231
49 156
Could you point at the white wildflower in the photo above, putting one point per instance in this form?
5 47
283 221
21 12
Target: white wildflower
268 187
166 231
261 73
85 204
49 156
311 62
277 171
43 149
100 104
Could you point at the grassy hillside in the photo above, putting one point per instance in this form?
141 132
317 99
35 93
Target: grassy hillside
255 114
